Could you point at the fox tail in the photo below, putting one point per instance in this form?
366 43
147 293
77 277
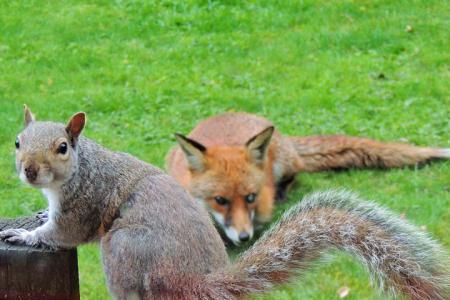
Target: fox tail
320 153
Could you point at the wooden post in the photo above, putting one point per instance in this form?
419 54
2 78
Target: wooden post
36 273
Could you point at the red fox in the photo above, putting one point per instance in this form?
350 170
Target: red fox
237 164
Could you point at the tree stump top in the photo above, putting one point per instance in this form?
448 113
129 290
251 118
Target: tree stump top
28 223
36 272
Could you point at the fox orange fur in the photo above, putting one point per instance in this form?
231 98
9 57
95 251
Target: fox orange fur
238 164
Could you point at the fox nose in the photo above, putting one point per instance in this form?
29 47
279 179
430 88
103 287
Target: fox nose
31 172
244 236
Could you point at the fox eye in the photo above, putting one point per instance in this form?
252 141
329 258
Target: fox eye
62 148
250 198
221 200
17 143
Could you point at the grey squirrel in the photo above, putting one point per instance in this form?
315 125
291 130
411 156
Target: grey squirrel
158 243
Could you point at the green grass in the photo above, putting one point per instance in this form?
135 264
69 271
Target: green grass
143 71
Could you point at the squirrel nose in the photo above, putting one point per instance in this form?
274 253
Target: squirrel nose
31 172
244 236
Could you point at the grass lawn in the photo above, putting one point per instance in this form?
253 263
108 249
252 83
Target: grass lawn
143 71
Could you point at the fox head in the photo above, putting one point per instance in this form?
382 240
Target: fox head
46 152
228 180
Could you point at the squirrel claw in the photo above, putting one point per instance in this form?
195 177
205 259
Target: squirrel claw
18 236
42 216
15 240
5 234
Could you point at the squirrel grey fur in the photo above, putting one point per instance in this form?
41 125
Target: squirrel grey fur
158 243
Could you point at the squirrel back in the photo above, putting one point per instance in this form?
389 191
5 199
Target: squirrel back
97 194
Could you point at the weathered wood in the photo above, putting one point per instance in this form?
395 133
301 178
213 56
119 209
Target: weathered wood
36 273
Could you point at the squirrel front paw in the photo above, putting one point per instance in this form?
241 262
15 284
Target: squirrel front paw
19 236
42 216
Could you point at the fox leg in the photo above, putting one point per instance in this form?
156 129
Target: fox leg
320 153
283 186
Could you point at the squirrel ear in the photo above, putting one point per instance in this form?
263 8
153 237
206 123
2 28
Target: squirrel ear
28 115
76 125
194 151
257 146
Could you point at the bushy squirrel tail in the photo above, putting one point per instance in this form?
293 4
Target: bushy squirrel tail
401 259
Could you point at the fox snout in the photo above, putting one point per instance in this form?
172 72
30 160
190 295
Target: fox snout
237 235
244 236
238 232
238 227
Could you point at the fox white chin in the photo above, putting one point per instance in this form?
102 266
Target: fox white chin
230 232
233 235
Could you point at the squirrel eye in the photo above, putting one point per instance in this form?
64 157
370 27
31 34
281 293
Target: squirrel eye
62 148
221 200
17 143
250 198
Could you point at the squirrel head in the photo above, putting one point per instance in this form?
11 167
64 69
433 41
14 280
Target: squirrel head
47 152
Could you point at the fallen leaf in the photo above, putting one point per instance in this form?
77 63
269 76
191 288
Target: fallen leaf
343 292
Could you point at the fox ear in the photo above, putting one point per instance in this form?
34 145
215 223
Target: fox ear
75 126
257 146
28 115
194 151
